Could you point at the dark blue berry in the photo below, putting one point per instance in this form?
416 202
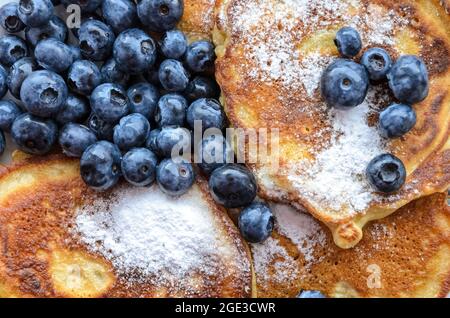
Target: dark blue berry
55 29
397 120
110 102
112 74
173 141
201 87
35 13
171 110
85 5
175 177
200 56
17 74
256 223
43 93
9 18
83 77
96 40
344 84
75 26
75 110
174 44
173 76
132 131
160 15
100 165
311 294
74 139
151 142
208 111
348 42
34 135
75 52
377 62
53 55
101 128
9 111
233 186
3 81
12 49
143 99
139 167
119 14
213 152
386 173
408 79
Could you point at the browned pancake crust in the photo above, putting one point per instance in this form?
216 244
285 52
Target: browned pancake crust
198 18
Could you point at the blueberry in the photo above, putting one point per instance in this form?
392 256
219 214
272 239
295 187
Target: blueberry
200 56
12 49
175 177
397 120
233 186
83 77
134 51
85 5
173 76
173 141
256 223
171 110
9 18
53 55
344 84
213 152
110 102
55 29
101 128
311 294
74 110
74 139
139 167
17 74
151 142
3 81
35 13
112 74
34 135
377 62
75 52
408 79
174 44
100 165
2 143
43 93
132 131
201 87
348 42
160 15
143 99
209 112
119 14
9 111
96 40
75 27
386 173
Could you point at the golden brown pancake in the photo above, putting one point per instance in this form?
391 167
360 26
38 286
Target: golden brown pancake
198 19
271 54
60 239
404 255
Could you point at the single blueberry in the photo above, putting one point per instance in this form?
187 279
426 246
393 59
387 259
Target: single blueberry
311 294
17 74
55 28
75 26
408 79
101 128
75 110
12 49
53 55
175 177
209 112
233 186
200 56
151 142
35 13
96 40
256 222
139 167
174 44
377 62
201 87
120 15
100 165
112 74
173 141
397 120
43 93
110 102
3 81
171 110
344 84
83 77
132 131
213 152
143 99
173 76
9 111
160 15
74 139
348 42
2 143
134 51
386 173
85 5
9 18
34 135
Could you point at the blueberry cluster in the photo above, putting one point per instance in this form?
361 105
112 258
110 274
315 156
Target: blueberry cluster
345 84
123 101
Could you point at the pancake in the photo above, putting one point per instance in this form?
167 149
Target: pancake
60 239
404 255
198 19
271 54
